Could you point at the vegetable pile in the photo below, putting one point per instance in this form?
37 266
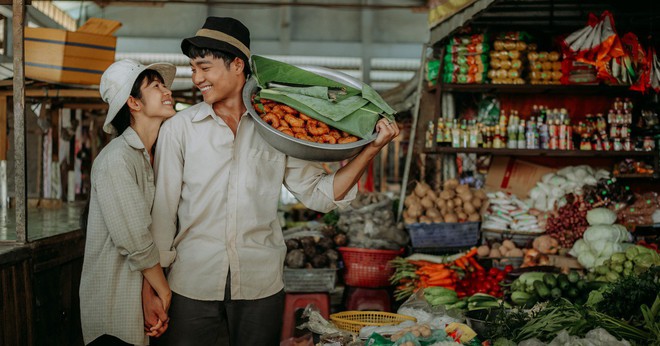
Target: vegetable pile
569 222
569 180
455 203
600 240
314 251
637 259
496 250
532 287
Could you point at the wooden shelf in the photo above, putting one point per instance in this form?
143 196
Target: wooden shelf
592 89
540 152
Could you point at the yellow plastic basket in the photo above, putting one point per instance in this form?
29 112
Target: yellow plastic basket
353 321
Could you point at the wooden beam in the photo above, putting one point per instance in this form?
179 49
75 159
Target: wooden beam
45 92
86 106
20 165
3 128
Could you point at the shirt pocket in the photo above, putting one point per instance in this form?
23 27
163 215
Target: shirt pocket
266 171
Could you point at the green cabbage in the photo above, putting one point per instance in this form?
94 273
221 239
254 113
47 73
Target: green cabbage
601 216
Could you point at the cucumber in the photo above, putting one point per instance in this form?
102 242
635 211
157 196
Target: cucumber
541 289
550 280
520 298
573 277
555 293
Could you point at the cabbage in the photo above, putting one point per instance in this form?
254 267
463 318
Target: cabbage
587 259
601 216
558 180
579 247
606 232
546 178
602 248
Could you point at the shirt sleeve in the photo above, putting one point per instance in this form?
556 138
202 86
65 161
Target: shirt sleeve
313 187
126 214
168 167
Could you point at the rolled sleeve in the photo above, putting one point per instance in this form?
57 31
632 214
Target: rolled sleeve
126 215
313 187
169 180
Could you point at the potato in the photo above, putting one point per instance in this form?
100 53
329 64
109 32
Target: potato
432 195
466 196
469 208
508 244
447 194
462 216
409 220
415 210
427 203
494 253
450 184
504 251
433 213
438 219
480 194
457 201
483 250
461 189
440 203
425 219
451 205
474 217
412 199
515 253
476 202
451 218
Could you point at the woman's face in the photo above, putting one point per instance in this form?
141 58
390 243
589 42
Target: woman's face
156 99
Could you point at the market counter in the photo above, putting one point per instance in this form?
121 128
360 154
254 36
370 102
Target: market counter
39 280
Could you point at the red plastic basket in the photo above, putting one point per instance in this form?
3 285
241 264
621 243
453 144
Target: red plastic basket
367 267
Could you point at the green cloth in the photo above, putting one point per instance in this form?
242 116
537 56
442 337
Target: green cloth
342 106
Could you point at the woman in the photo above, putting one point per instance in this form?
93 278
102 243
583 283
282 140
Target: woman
119 249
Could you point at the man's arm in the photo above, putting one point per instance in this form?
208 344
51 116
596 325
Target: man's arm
347 176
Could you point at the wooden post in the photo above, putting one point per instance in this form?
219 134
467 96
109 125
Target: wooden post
3 128
20 167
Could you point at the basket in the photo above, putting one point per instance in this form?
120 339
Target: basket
443 235
521 239
367 267
309 280
353 321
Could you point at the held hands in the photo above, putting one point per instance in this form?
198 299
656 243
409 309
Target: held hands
155 310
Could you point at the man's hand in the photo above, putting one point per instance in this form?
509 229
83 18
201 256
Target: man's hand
155 315
386 132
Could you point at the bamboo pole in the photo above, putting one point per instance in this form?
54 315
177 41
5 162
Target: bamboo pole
20 167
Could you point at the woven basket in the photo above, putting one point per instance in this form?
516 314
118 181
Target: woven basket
353 321
443 235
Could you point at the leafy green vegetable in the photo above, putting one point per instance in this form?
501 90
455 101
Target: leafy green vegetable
624 297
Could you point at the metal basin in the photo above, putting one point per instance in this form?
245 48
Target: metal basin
299 148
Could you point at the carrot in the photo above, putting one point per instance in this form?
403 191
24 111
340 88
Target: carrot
440 282
471 253
421 263
475 264
441 274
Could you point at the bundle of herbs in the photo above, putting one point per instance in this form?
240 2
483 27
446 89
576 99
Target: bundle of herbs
625 297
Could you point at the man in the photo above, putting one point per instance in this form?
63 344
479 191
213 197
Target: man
217 191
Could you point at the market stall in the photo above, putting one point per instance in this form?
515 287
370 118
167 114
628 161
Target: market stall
532 207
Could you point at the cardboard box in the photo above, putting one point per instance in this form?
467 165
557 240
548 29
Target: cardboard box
61 56
512 175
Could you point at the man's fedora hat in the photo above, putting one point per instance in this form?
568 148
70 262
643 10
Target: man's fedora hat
224 34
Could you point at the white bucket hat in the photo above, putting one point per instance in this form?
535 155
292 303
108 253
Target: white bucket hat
117 82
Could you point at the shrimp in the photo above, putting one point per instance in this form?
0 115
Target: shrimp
293 121
287 109
317 128
328 139
304 137
304 117
285 130
349 139
299 130
335 134
259 108
271 119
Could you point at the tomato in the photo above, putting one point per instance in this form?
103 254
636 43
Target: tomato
493 271
508 268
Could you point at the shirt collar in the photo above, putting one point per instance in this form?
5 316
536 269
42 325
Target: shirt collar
205 110
131 137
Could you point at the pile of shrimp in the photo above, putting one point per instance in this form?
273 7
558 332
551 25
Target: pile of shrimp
293 123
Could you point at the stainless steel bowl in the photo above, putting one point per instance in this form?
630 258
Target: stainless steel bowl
299 148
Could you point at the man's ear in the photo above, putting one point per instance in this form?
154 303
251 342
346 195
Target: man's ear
238 64
133 104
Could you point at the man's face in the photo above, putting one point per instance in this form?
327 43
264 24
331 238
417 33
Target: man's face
215 80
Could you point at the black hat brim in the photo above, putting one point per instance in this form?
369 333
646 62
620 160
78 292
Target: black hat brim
209 43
